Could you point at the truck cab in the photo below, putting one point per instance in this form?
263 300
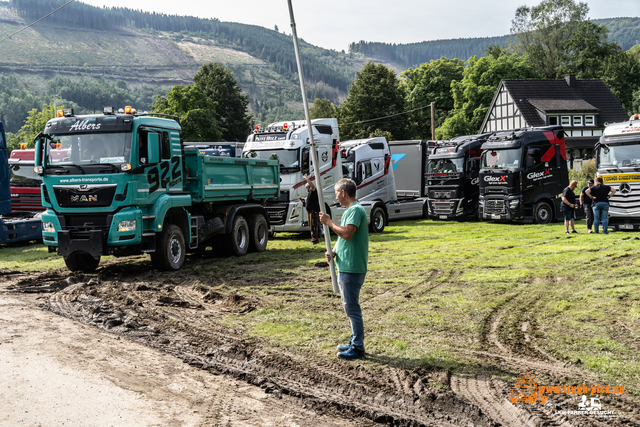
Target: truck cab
453 178
618 163
522 173
25 183
289 142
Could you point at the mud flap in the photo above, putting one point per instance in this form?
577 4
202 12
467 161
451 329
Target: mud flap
92 245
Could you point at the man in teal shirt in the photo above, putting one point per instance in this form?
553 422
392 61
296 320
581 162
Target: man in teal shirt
351 253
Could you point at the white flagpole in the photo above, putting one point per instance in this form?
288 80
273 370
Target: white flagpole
314 153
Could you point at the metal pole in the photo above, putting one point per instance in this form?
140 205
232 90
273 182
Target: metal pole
433 132
314 153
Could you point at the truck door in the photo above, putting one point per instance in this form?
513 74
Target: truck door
534 171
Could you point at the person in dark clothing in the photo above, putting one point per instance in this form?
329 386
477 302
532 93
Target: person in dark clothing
312 205
600 194
568 205
585 201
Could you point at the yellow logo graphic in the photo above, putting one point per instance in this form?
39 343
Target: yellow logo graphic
526 390
625 177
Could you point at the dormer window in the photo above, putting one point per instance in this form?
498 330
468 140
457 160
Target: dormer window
553 120
565 120
577 120
589 120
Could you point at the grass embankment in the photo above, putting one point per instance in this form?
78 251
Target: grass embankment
436 290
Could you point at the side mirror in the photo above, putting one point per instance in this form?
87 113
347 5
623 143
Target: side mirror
153 147
37 159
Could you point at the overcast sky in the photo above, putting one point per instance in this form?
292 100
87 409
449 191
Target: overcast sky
333 24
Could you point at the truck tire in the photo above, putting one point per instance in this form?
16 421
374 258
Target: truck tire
542 213
237 242
171 249
81 261
377 220
259 233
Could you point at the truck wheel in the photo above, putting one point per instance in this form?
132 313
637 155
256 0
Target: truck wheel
377 220
542 213
237 242
169 255
81 261
259 233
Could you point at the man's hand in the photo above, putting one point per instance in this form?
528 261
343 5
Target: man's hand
328 256
324 218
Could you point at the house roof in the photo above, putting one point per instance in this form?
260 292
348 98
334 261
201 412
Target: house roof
565 95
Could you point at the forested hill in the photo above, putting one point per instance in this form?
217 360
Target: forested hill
624 31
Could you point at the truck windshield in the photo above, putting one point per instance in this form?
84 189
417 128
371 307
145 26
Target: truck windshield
90 148
619 155
23 176
508 158
437 166
289 159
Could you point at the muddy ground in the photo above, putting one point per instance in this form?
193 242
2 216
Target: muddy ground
164 311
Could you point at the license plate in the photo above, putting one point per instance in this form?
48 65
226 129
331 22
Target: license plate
626 226
442 216
494 216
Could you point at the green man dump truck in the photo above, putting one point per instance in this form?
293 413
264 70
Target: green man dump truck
130 186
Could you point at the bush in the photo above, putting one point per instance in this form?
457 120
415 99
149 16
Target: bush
586 172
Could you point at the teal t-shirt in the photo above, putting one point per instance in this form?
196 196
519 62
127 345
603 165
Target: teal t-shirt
352 255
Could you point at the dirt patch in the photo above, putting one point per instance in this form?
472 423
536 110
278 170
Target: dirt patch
177 314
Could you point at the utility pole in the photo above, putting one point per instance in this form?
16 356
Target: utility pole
433 127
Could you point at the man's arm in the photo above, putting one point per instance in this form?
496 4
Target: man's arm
346 232
311 186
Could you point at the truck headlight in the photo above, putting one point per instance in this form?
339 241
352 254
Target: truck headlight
127 225
47 227
514 203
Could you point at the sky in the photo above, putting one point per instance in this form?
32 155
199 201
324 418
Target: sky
333 24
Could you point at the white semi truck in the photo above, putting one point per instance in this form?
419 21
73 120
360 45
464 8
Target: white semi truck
289 141
374 164
618 163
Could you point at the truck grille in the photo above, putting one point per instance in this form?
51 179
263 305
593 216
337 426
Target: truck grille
29 202
493 206
84 196
277 214
443 207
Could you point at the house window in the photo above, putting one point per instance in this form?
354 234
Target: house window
553 120
589 121
566 120
577 120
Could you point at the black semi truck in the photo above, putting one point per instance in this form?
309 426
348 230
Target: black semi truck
452 178
522 175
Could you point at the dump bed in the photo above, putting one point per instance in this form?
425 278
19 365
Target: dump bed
220 179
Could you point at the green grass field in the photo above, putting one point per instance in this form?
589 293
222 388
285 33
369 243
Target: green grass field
433 292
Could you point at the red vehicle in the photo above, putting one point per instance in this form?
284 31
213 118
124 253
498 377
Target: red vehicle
24 182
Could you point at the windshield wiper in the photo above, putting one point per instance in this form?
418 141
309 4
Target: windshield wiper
114 168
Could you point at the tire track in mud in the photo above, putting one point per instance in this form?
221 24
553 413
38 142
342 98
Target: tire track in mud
181 322
521 354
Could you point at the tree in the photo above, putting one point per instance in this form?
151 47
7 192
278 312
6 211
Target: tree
430 82
473 94
621 72
196 113
541 32
375 101
34 124
586 51
219 84
323 108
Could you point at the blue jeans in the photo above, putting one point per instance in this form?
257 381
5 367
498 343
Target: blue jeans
350 285
600 213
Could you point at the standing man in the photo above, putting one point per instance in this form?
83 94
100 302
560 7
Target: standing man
351 253
600 195
568 206
312 205
585 201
